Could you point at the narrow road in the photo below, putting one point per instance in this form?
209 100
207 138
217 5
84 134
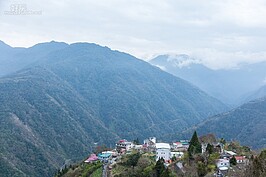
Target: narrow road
105 169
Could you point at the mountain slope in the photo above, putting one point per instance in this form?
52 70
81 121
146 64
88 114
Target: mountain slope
228 85
261 92
83 93
246 124
44 122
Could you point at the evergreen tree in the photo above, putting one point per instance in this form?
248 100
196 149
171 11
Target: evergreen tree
233 160
159 167
194 146
209 148
136 141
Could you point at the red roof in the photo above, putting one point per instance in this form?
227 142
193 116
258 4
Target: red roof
239 157
92 157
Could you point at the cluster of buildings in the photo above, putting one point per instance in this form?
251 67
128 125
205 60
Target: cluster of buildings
223 163
161 150
103 156
167 151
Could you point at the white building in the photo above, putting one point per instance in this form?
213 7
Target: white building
177 154
123 145
163 151
223 164
150 139
231 153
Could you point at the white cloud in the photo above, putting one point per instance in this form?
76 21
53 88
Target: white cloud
234 30
217 59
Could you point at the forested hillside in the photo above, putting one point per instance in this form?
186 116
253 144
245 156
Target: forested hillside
57 107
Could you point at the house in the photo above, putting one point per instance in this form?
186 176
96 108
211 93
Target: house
223 164
185 143
104 156
92 158
150 139
204 147
177 154
123 145
231 153
163 151
241 159
217 147
113 153
150 144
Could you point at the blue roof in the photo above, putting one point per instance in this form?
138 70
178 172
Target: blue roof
105 155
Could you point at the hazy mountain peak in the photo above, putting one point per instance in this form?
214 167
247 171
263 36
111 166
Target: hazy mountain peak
176 60
50 45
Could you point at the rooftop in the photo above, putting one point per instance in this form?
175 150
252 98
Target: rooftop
162 146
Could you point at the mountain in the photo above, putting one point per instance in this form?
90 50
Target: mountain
261 92
246 124
58 106
228 85
14 59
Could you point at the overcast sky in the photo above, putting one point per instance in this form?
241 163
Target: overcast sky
221 33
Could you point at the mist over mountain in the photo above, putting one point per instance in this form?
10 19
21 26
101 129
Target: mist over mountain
62 98
228 85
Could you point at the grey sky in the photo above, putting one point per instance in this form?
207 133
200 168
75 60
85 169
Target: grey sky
221 33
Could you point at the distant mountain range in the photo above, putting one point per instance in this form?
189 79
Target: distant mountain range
57 100
232 86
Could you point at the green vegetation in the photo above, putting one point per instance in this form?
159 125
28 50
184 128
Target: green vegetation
133 159
144 167
233 161
82 170
195 145
257 167
209 148
97 173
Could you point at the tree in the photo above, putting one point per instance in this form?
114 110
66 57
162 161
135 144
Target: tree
194 146
257 167
133 159
102 148
165 173
233 160
159 167
201 168
136 141
209 148
222 140
173 158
